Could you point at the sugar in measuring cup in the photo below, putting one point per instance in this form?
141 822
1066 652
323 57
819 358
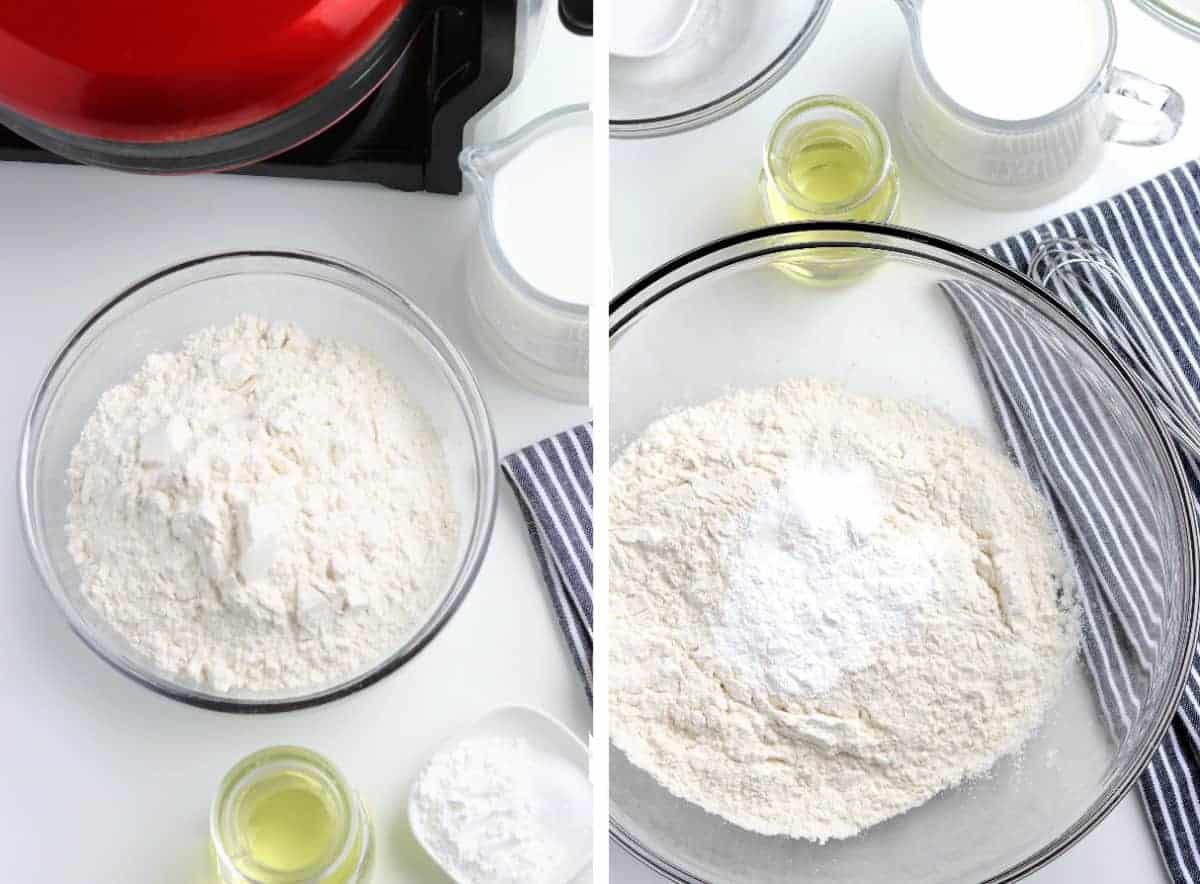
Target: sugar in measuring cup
1010 104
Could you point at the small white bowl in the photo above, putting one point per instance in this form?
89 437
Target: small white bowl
543 733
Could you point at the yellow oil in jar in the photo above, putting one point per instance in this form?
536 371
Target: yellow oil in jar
288 823
828 158
285 815
828 170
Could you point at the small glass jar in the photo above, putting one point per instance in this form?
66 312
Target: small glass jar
285 815
828 158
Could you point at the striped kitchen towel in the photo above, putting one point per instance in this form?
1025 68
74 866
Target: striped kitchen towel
1062 437
553 483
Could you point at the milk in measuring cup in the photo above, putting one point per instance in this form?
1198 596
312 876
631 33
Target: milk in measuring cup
1009 104
529 272
1017 59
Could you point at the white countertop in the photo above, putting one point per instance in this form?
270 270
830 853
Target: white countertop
701 185
107 782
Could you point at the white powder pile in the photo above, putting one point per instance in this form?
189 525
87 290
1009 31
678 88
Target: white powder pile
261 511
826 608
820 581
991 61
499 810
543 213
643 28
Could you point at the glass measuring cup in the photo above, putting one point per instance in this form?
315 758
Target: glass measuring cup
539 337
1025 163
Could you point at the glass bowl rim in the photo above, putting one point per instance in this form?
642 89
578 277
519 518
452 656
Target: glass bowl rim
469 400
736 98
1171 15
894 241
238 147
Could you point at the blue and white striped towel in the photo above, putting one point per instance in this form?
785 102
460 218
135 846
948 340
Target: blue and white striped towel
1061 436
553 483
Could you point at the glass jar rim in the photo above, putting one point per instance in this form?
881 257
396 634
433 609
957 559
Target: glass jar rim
880 169
274 760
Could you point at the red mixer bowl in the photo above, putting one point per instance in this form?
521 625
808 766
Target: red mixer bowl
181 85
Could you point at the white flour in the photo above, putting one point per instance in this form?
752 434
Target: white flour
820 581
497 810
260 511
826 608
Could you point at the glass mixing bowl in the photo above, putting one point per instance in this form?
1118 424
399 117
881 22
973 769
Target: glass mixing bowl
730 53
1183 15
170 88
321 296
723 316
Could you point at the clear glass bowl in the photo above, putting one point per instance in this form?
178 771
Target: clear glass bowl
237 147
270 135
322 296
730 53
1183 15
724 316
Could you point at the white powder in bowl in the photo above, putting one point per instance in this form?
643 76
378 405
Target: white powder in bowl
543 213
261 511
826 608
647 27
819 581
496 809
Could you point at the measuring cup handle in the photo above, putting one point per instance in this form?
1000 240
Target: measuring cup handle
1164 102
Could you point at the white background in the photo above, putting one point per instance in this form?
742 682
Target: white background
674 193
106 783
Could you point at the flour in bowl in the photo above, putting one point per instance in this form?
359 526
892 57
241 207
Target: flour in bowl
820 581
261 511
826 608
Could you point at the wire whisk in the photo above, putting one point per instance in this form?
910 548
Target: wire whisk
1087 279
